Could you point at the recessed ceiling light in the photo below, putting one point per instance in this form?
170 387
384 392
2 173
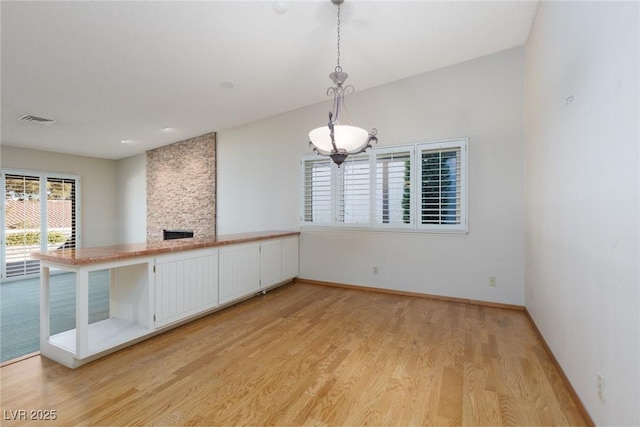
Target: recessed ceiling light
167 129
280 7
126 141
227 85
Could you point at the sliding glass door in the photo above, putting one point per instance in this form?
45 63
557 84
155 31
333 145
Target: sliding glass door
39 213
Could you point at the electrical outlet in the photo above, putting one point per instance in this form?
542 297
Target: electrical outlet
375 269
600 386
492 281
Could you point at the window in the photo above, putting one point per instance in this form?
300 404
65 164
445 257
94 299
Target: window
416 187
318 191
354 183
35 205
442 192
61 211
393 198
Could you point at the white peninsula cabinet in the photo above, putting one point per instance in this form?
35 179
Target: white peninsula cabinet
278 261
157 286
185 284
270 263
289 258
239 271
250 268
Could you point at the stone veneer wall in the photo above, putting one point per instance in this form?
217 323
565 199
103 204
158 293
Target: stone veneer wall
181 187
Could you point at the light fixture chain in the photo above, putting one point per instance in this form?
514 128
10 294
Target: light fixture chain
338 67
340 139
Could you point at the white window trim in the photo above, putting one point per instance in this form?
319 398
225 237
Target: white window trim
416 169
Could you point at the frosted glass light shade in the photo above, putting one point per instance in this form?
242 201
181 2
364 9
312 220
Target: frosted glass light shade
348 138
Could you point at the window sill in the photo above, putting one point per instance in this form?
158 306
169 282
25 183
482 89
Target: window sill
390 230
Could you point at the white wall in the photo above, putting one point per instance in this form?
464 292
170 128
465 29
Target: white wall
97 188
132 198
582 191
259 182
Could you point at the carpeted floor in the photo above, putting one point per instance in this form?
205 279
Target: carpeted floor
20 310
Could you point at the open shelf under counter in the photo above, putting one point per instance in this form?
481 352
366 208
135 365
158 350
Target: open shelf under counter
130 310
103 335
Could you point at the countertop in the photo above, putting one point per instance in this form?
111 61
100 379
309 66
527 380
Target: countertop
100 254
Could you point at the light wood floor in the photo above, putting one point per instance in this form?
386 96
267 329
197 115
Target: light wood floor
312 355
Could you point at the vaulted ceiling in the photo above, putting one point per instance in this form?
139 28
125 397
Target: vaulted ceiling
155 72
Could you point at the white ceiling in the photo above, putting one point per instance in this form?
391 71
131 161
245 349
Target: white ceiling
115 70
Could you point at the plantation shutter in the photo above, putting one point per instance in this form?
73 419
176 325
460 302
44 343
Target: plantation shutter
420 187
354 195
393 206
318 195
442 186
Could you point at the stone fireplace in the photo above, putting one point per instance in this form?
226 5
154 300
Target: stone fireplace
181 188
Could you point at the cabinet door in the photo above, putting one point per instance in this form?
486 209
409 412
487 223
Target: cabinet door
185 285
289 258
239 271
270 263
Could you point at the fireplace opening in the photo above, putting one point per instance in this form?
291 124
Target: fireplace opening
176 234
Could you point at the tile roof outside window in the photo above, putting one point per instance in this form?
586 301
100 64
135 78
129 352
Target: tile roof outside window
22 214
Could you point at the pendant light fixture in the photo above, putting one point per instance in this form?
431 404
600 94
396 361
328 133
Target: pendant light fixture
340 138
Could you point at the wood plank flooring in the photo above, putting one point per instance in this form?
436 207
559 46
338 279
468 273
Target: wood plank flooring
312 355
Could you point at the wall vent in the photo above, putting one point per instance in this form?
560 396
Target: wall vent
42 121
